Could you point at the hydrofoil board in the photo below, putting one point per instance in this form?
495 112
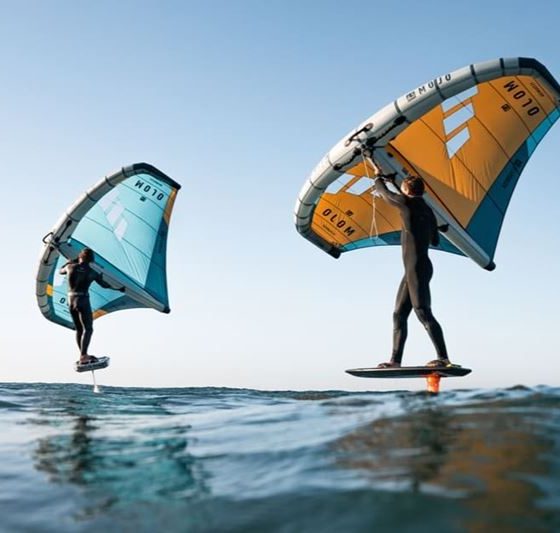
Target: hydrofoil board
102 362
410 372
431 373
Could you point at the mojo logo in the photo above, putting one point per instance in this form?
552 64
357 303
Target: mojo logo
457 112
520 95
149 191
338 221
423 89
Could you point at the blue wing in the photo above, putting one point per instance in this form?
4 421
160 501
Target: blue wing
124 219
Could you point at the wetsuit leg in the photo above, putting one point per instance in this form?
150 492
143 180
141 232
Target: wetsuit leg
419 290
75 314
403 307
86 318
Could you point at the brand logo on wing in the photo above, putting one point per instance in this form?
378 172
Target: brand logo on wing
457 112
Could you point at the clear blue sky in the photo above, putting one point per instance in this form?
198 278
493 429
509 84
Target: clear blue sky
238 100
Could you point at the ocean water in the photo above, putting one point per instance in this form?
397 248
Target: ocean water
211 459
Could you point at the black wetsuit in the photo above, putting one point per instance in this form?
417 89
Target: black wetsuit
80 277
419 230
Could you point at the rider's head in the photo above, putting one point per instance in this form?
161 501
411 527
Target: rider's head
85 256
413 186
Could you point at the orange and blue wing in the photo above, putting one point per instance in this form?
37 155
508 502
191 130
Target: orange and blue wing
469 134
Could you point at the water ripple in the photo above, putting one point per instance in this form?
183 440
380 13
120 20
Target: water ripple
216 459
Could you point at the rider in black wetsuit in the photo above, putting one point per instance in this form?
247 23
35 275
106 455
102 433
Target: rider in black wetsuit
80 277
419 230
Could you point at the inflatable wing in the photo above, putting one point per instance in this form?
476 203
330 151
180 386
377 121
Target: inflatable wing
469 134
124 219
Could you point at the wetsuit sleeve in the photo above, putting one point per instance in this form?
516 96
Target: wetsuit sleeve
435 232
64 268
392 198
99 279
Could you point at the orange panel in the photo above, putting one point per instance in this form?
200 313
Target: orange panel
343 218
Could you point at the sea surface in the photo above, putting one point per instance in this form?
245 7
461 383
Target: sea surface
212 459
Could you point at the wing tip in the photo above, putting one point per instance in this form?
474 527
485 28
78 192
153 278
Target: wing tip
334 252
150 169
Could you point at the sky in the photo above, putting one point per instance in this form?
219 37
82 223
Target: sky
238 101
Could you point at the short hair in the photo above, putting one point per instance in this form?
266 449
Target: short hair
414 185
87 255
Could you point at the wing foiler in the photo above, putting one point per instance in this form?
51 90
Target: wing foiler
469 134
124 218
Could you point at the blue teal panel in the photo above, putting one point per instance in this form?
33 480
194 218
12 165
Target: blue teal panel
394 238
156 283
387 239
108 303
58 301
485 225
126 229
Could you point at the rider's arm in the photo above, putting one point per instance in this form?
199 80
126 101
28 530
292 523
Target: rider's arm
63 269
390 197
100 281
